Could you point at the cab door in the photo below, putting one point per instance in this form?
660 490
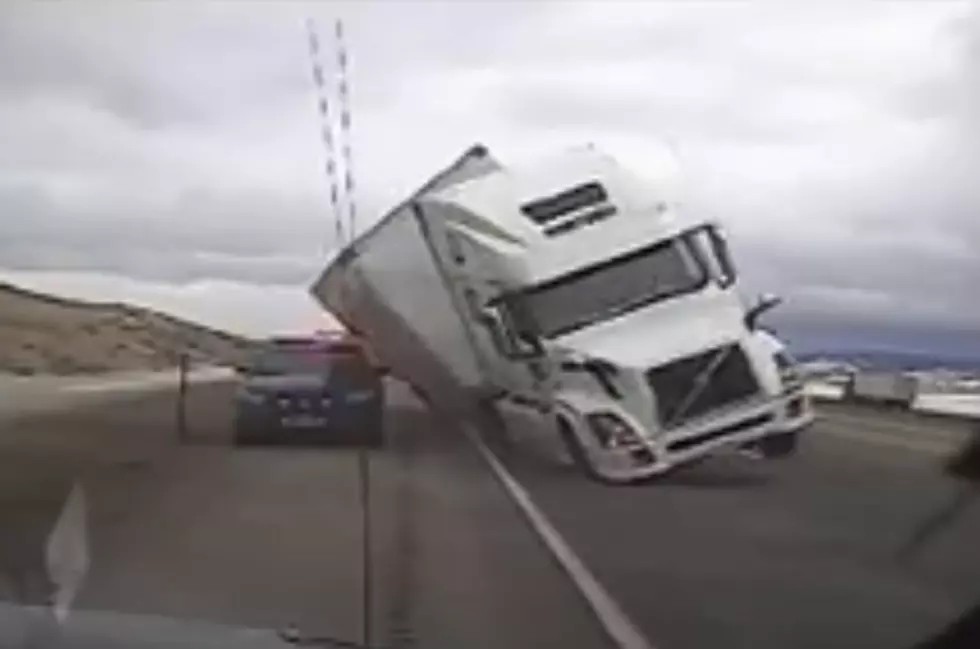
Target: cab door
517 363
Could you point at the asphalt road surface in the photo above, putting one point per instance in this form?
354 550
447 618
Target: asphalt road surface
730 553
802 553
269 537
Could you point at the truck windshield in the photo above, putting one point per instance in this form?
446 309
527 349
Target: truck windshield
667 269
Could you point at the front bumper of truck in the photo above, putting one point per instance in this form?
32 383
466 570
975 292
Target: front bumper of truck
796 412
738 426
650 453
783 441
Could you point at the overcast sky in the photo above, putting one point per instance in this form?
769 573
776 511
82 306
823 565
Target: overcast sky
169 154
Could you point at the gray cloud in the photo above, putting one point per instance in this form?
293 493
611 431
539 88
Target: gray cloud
256 238
896 246
155 66
179 144
147 64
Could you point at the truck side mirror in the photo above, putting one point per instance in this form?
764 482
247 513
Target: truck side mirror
765 302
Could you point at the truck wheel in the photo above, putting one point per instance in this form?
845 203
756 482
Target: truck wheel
778 445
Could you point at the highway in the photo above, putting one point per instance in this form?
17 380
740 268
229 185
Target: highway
731 553
268 537
802 553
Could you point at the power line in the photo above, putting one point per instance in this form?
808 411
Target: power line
326 130
339 195
343 94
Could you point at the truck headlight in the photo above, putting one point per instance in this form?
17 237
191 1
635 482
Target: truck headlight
611 430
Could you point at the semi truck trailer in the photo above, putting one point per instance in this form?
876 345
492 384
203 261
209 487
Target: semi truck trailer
893 389
569 289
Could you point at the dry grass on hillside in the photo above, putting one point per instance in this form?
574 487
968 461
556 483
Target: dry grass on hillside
42 334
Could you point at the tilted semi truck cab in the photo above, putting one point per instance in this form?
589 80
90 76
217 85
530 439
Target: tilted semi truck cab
593 302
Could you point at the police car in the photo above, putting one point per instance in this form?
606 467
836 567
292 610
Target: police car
310 390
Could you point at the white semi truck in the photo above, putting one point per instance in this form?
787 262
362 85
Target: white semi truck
571 291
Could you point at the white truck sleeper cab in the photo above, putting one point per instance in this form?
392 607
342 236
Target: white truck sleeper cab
653 360
570 291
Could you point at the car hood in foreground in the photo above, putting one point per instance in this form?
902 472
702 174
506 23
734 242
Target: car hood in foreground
22 626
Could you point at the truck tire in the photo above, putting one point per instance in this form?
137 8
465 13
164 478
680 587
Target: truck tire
779 445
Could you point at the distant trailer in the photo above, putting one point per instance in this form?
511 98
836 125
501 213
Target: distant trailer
889 389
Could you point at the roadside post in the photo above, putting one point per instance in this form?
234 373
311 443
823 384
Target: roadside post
182 369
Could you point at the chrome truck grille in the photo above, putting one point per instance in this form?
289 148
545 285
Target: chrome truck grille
696 385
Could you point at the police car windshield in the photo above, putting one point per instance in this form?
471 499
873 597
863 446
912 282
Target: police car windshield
298 359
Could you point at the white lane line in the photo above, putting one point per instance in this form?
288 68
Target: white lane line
888 440
612 618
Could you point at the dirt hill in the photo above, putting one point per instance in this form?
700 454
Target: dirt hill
43 334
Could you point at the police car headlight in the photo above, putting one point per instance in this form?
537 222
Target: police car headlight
360 396
611 430
251 397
